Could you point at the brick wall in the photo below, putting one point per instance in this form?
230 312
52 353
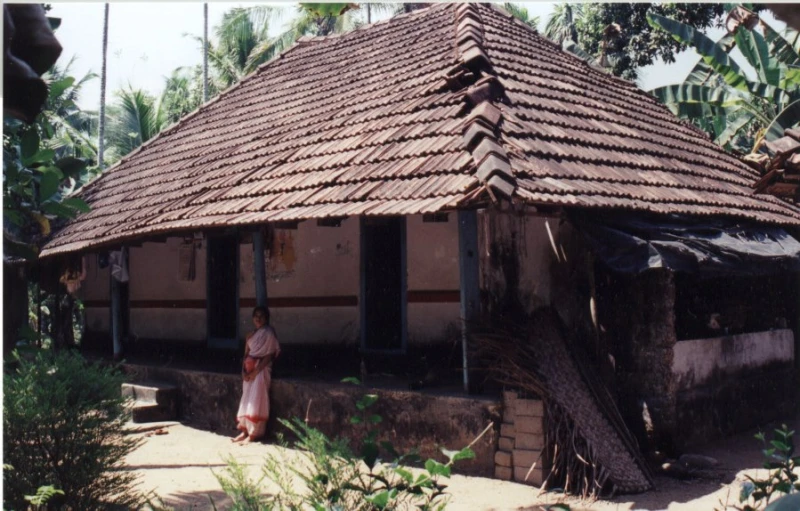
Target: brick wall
519 456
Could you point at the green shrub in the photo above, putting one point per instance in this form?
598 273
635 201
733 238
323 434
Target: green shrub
782 479
325 474
63 424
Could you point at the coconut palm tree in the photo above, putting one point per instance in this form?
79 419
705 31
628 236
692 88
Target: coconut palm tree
72 128
134 118
521 14
102 121
243 41
740 113
562 23
205 52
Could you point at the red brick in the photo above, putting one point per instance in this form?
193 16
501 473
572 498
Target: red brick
504 473
528 441
506 444
529 425
507 430
502 459
530 407
535 477
526 458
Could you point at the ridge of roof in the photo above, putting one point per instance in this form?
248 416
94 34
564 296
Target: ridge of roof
480 135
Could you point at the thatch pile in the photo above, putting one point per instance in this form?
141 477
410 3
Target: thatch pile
591 452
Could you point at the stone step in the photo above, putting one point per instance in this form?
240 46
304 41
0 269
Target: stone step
143 412
152 401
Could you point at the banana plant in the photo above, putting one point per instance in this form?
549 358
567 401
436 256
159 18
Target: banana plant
739 112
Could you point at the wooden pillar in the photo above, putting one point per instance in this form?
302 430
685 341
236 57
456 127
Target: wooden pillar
260 268
116 306
116 316
468 263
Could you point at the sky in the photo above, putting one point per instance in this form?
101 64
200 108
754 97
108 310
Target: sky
147 41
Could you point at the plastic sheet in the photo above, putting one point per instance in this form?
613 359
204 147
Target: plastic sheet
715 246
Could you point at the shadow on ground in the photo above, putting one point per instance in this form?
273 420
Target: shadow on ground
197 501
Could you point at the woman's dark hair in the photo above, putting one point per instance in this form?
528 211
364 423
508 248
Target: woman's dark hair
263 310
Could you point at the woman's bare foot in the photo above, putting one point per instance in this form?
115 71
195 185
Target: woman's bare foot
242 436
250 439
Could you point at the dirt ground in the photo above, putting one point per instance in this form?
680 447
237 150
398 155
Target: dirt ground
178 466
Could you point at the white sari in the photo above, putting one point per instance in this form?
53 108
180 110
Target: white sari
254 406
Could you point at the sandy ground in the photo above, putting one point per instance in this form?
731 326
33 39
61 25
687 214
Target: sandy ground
178 466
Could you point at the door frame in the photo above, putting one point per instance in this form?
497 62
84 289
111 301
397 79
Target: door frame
403 291
218 342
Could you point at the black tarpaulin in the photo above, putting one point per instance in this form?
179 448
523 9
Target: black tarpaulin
632 244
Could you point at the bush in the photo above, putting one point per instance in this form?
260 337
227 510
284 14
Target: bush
63 424
326 474
782 479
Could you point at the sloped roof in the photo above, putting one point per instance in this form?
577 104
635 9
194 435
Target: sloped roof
423 112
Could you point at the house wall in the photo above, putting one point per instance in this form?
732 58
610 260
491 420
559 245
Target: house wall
95 292
516 260
312 286
732 383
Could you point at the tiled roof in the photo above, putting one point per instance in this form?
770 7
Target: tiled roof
423 112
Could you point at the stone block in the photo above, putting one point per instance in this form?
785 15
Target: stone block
502 459
507 430
526 458
509 396
532 425
509 414
504 473
529 441
530 407
534 478
506 444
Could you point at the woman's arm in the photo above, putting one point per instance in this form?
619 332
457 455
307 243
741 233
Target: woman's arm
260 366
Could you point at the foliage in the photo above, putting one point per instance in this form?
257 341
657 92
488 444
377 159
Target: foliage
736 111
521 14
43 496
329 475
134 118
63 424
562 24
75 130
243 41
619 34
37 181
183 93
782 479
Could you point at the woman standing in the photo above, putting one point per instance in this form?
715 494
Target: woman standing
261 348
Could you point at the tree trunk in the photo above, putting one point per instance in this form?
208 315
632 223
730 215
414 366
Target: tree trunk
102 126
15 305
205 52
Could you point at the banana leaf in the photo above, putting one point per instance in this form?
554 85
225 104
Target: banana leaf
696 111
791 78
717 58
757 52
690 93
781 47
733 127
787 118
702 73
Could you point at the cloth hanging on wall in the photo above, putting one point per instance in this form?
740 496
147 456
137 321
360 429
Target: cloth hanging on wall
118 260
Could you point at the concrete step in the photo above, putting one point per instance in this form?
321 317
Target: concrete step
152 401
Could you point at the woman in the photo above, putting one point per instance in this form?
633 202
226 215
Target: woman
261 348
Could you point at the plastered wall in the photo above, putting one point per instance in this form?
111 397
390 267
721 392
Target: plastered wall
312 284
433 279
94 292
